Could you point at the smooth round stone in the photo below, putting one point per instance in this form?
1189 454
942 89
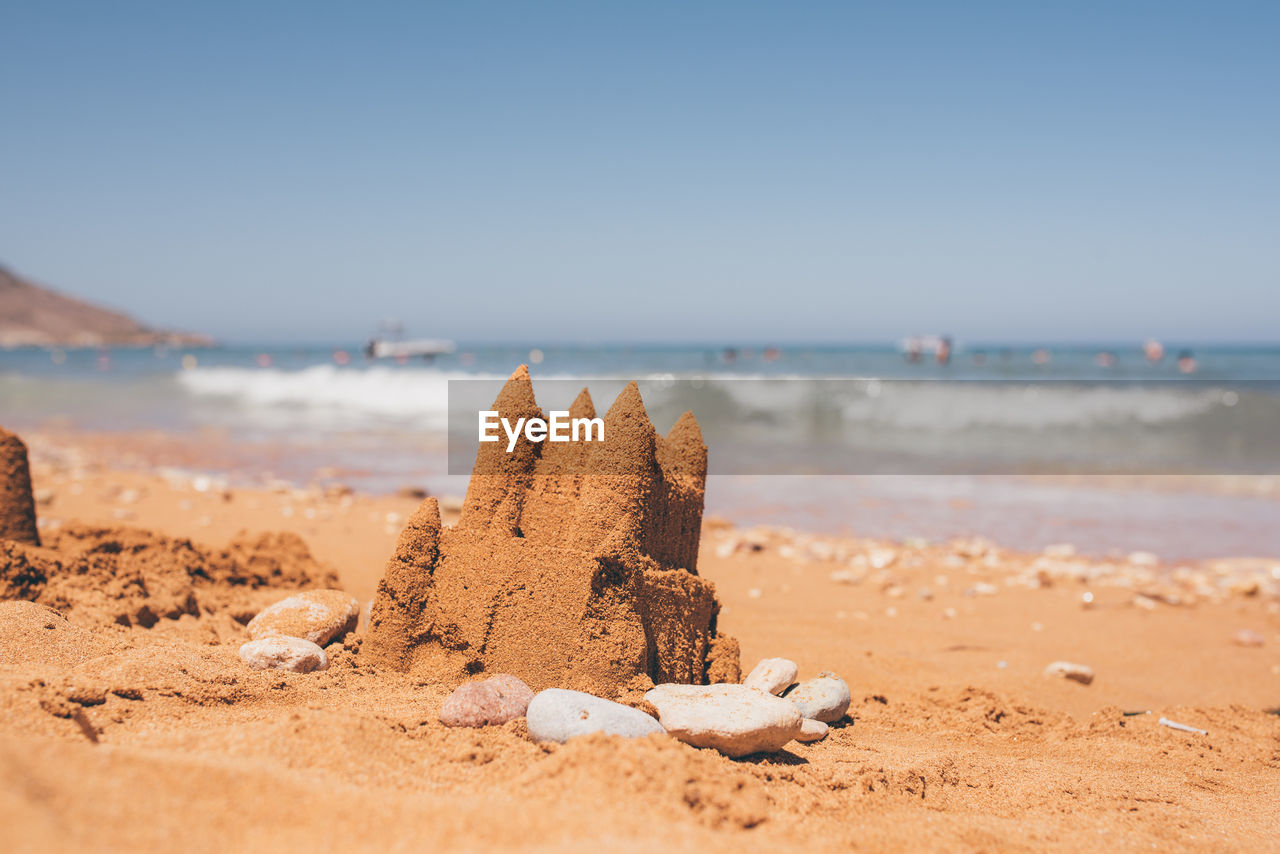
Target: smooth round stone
823 699
1247 637
558 715
733 719
772 675
1081 673
320 616
812 730
514 688
491 702
284 653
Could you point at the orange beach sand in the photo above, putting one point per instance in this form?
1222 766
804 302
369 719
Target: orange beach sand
132 738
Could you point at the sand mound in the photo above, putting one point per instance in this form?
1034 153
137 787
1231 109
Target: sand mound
129 576
32 634
573 565
17 507
693 784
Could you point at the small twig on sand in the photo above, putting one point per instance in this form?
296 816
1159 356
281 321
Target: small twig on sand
1182 727
86 726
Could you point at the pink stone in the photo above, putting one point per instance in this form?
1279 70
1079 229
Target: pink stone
496 700
513 688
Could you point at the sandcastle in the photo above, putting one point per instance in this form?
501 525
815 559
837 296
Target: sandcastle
572 565
17 507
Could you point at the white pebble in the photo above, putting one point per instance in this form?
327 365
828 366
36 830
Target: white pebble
812 730
772 675
1247 637
284 653
320 616
733 719
881 558
823 699
558 715
1068 670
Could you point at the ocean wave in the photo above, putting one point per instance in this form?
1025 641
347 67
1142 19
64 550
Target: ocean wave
422 396
967 405
327 390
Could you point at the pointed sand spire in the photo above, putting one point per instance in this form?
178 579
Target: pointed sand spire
629 445
17 505
629 404
516 398
685 447
582 406
496 472
405 591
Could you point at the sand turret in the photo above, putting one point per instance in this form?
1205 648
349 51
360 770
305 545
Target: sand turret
17 506
573 564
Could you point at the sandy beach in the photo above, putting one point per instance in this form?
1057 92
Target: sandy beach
125 737
665 427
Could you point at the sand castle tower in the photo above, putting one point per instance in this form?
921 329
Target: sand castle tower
573 564
17 507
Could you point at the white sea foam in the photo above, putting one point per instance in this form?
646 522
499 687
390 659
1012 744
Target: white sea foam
421 396
333 393
944 407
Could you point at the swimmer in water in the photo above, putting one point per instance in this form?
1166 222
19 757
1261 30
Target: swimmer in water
1187 362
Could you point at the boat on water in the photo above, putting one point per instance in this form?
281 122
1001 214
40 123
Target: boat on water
426 348
390 343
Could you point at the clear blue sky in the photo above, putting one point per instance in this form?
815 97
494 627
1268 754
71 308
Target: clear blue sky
650 171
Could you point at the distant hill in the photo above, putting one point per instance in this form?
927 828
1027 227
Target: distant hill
31 315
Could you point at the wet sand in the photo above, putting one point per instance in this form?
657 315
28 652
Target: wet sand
1178 517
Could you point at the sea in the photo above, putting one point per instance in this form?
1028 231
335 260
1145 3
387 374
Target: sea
1097 445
